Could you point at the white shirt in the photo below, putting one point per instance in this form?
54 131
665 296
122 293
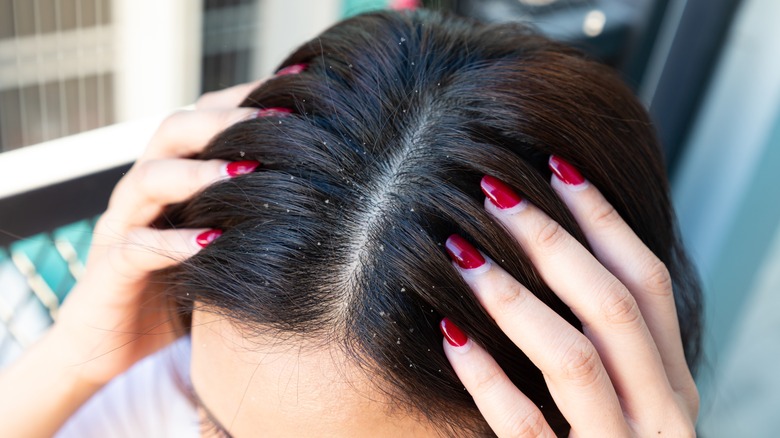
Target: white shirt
147 401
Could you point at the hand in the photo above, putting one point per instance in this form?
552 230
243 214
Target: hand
111 319
626 375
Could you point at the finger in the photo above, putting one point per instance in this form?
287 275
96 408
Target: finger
564 355
151 185
507 410
233 96
145 250
609 314
619 249
227 98
185 133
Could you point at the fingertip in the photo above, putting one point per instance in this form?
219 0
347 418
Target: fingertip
145 249
454 338
207 237
498 212
291 70
565 175
232 169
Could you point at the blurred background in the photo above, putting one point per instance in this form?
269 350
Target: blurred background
83 84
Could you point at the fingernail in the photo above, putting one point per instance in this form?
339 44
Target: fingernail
452 333
273 112
205 238
499 193
291 70
463 253
237 168
565 171
399 5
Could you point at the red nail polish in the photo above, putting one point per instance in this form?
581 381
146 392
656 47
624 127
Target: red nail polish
291 70
464 254
206 237
399 5
499 193
273 112
452 333
565 171
237 168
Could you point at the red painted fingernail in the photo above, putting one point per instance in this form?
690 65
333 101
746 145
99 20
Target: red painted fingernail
291 70
565 171
499 193
237 168
206 237
452 333
273 112
464 254
405 4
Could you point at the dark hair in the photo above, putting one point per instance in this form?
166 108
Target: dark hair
396 118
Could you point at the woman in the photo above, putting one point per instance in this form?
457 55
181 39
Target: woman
420 176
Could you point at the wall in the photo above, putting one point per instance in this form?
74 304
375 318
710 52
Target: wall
727 192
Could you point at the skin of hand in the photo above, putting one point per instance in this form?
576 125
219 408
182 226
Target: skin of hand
626 374
110 319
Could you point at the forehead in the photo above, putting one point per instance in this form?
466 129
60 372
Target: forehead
245 381
283 388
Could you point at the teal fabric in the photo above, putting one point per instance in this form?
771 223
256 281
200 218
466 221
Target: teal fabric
41 251
36 275
57 257
354 7
78 235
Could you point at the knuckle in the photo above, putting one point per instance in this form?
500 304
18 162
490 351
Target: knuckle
117 195
199 174
234 116
691 398
102 223
678 423
605 216
551 235
140 173
580 362
107 229
120 262
619 306
510 295
688 430
205 100
522 424
695 404
141 179
656 278
487 381
169 125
